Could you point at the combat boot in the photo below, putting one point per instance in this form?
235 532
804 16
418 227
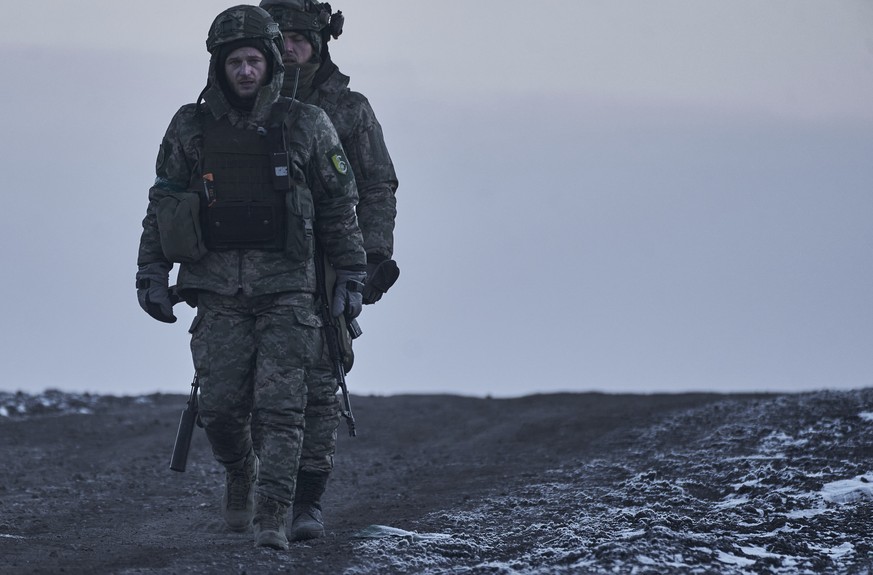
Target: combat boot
307 521
239 493
269 524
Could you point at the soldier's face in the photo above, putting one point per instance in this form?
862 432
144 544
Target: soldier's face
246 70
298 50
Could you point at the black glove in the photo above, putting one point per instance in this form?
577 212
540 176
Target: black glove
153 292
347 296
381 275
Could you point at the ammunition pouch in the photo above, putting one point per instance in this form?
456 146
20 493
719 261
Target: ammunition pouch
245 225
300 216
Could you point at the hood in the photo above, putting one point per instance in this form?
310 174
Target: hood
217 100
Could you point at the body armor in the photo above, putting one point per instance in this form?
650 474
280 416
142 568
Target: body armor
243 209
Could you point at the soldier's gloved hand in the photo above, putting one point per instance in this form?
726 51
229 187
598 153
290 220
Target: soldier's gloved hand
381 275
347 296
153 292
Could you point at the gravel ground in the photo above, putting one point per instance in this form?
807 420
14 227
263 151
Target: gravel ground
562 483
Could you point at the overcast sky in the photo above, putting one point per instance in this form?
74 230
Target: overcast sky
625 196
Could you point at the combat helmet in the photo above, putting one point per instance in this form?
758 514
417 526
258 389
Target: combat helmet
243 22
314 20
238 26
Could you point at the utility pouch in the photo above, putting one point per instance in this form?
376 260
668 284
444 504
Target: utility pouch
178 217
300 215
245 225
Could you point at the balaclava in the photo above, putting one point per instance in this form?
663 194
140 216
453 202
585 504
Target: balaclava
313 21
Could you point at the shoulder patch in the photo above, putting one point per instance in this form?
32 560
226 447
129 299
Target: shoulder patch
338 161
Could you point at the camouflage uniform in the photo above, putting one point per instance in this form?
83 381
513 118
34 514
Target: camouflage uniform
362 139
256 331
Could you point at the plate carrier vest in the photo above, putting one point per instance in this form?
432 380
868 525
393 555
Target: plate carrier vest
244 181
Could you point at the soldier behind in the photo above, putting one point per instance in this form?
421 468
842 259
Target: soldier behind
312 77
246 182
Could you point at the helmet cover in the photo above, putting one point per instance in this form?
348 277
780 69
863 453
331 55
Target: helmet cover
243 22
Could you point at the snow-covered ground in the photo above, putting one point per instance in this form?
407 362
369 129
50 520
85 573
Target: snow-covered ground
778 486
784 487
54 402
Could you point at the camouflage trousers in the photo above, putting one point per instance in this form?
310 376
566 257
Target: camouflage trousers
251 355
322 416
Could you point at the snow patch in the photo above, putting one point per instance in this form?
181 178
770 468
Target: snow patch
731 559
644 560
836 552
758 552
848 490
844 549
781 439
746 493
383 531
732 501
55 402
805 513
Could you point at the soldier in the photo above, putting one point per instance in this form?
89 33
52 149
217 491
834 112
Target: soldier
312 77
247 181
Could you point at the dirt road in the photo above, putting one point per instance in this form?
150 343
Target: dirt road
478 485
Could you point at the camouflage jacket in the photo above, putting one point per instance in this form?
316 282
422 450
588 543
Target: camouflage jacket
362 139
312 142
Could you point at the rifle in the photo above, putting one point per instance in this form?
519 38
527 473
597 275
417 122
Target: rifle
189 414
332 335
186 430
